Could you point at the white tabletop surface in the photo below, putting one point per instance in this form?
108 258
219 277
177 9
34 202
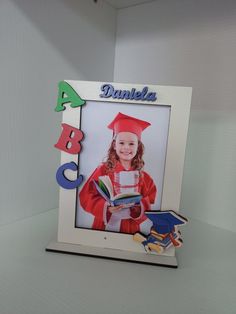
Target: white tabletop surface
35 281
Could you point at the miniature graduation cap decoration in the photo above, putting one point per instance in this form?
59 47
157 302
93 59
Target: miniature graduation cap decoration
124 123
163 232
166 220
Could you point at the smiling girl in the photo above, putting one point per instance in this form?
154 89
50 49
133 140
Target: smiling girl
124 166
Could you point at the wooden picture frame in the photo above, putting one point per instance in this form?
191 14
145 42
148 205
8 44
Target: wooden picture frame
89 107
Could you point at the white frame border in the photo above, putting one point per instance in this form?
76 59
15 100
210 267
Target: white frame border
179 99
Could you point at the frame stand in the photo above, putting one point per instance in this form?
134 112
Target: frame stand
144 258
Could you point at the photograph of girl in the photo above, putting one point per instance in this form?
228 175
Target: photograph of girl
123 169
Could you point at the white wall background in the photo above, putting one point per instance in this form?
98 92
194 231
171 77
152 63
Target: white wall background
43 42
191 43
186 42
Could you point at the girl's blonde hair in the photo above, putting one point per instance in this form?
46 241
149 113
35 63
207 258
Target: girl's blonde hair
112 158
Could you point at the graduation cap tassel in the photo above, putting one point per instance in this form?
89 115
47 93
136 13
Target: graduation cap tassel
174 241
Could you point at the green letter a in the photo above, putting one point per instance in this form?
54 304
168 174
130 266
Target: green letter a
66 94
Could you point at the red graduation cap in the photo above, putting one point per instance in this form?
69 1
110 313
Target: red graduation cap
124 123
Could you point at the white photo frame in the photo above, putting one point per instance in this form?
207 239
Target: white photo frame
72 238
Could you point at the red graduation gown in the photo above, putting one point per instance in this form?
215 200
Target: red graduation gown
92 202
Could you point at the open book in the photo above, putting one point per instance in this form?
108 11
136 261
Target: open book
105 189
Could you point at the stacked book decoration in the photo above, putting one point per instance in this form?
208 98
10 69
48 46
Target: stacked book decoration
164 232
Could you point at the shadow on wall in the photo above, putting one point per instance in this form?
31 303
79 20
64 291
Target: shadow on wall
209 176
171 15
75 28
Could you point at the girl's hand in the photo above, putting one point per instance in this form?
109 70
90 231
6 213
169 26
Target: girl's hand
116 209
135 211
